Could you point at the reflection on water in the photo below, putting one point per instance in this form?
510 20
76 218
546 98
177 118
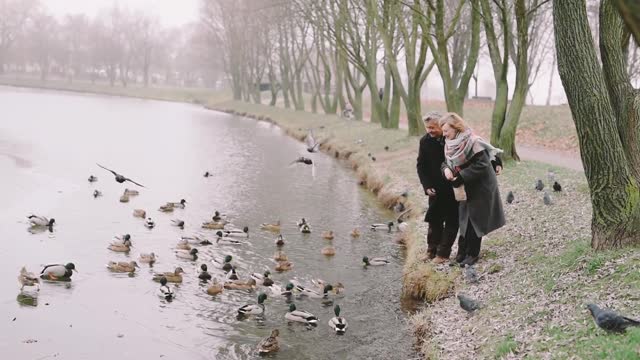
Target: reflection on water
168 147
27 299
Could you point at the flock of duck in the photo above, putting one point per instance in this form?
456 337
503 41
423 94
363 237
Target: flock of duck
186 249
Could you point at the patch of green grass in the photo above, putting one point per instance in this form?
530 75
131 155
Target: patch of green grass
593 343
505 347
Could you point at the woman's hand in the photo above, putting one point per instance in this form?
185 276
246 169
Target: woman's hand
448 174
498 170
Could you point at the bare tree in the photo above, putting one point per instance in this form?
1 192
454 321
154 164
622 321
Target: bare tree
13 16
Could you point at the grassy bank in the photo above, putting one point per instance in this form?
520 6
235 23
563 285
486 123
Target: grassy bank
536 274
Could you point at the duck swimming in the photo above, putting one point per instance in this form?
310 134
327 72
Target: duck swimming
338 323
174 277
280 256
214 225
240 284
178 205
183 245
300 316
269 344
97 193
280 240
124 246
254 309
26 278
328 251
305 229
282 266
355 233
92 178
375 261
165 290
328 235
131 192
41 221
232 275
58 272
177 222
263 279
222 240
215 288
379 226
166 208
122 266
187 254
147 258
150 224
124 198
301 222
275 227
139 213
204 274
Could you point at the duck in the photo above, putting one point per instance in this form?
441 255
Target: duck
207 174
174 277
193 239
58 272
314 294
226 266
375 261
147 258
120 239
214 225
92 178
131 192
178 205
165 290
328 235
305 229
139 213
124 198
263 279
269 344
166 208
280 240
244 232
125 246
232 275
149 223
183 245
254 309
41 221
355 233
328 251
240 285
177 222
275 227
187 254
301 222
278 291
320 284
338 323
228 241
26 278
97 193
216 216
300 316
380 226
204 274
282 266
122 266
280 256
215 288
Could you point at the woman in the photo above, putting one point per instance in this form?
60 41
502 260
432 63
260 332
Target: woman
468 162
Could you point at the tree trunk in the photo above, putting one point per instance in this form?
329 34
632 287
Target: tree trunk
615 195
553 70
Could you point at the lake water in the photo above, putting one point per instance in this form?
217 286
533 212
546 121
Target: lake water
50 143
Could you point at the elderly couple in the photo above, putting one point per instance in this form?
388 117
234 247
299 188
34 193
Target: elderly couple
458 171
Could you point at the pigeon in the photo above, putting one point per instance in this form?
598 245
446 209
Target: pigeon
468 304
302 160
373 158
557 187
470 275
386 148
120 178
551 175
97 193
310 141
539 185
609 320
510 197
546 198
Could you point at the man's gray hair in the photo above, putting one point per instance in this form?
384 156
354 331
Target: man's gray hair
432 115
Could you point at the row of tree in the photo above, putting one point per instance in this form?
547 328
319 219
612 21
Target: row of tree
343 50
118 46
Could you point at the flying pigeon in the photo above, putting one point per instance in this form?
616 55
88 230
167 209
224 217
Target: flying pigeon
120 178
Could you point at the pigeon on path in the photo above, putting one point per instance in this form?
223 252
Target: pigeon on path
510 197
539 185
557 187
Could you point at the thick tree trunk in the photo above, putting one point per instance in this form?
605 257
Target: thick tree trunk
630 12
615 195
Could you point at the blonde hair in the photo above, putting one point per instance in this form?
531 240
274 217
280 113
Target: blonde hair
454 120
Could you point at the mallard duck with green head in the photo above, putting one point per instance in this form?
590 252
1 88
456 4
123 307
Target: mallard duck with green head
165 291
263 279
124 246
204 274
338 323
187 254
300 316
254 309
58 272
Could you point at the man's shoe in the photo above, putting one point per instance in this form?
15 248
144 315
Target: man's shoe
439 260
431 253
460 257
469 260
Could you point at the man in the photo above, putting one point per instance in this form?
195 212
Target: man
442 215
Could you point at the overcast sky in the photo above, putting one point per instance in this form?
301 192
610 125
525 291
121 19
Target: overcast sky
170 12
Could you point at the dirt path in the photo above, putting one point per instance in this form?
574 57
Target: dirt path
552 157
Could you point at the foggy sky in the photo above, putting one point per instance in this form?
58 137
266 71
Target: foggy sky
169 12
